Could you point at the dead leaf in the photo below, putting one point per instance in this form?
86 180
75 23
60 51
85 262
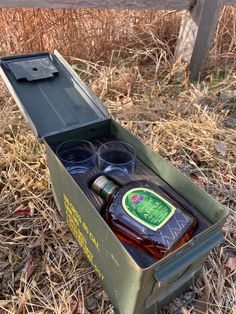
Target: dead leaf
231 263
193 145
220 288
200 305
32 208
21 211
19 310
77 307
28 270
221 148
1 186
91 303
201 181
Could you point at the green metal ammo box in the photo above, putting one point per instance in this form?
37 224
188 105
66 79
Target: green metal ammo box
59 106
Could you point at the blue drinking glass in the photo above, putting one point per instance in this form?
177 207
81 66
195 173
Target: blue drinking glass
78 156
116 158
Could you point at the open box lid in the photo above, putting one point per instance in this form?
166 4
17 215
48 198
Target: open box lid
50 94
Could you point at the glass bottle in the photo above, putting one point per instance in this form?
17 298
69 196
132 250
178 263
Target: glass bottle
144 216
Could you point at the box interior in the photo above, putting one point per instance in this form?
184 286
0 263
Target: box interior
104 133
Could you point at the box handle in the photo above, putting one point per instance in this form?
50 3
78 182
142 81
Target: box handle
174 270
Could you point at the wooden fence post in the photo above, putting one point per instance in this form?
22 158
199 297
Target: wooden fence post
196 32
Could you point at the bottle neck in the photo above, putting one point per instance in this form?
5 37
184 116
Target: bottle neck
104 187
108 190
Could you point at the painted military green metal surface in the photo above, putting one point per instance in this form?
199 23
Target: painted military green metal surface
131 289
171 278
160 282
49 93
118 273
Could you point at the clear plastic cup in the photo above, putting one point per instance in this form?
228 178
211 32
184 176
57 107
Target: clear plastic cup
116 158
78 156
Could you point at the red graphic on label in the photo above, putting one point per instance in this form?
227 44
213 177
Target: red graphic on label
134 197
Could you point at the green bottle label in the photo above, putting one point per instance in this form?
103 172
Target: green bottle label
147 207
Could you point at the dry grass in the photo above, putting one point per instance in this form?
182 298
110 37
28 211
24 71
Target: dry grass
94 34
90 34
42 269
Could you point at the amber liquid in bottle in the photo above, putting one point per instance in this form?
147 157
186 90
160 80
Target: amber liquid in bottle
144 216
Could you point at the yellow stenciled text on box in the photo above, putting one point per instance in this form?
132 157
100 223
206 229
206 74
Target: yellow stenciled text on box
78 227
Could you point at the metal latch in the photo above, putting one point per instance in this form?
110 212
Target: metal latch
34 69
